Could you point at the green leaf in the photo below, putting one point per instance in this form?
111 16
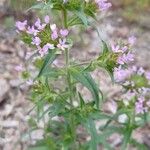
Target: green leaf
95 89
126 139
86 80
52 73
105 47
107 60
74 21
50 57
81 100
82 16
90 126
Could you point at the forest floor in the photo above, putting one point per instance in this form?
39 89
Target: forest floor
14 106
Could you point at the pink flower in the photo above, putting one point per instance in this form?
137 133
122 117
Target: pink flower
48 46
32 30
47 19
147 75
126 58
29 82
124 49
54 35
36 41
132 40
21 25
139 106
64 32
144 90
19 68
115 48
121 74
130 95
103 4
43 51
39 25
53 27
140 71
62 44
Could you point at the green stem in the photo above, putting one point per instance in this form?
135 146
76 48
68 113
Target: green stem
65 18
68 74
67 56
67 60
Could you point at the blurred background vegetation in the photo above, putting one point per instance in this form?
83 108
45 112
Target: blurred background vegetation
131 9
135 4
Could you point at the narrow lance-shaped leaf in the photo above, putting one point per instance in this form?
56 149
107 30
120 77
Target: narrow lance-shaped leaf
81 100
48 60
82 16
90 126
126 139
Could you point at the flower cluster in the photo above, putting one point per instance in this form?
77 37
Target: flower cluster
40 32
125 56
135 80
103 4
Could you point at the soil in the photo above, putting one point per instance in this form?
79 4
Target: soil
14 106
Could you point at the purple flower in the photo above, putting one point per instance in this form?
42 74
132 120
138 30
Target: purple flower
132 40
140 71
21 25
43 51
32 30
54 35
64 32
39 25
126 58
139 106
36 41
62 44
144 90
147 75
48 46
115 48
47 19
130 95
29 82
121 74
103 4
19 68
124 49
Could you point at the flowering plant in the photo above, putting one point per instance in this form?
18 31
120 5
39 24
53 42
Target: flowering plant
71 120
